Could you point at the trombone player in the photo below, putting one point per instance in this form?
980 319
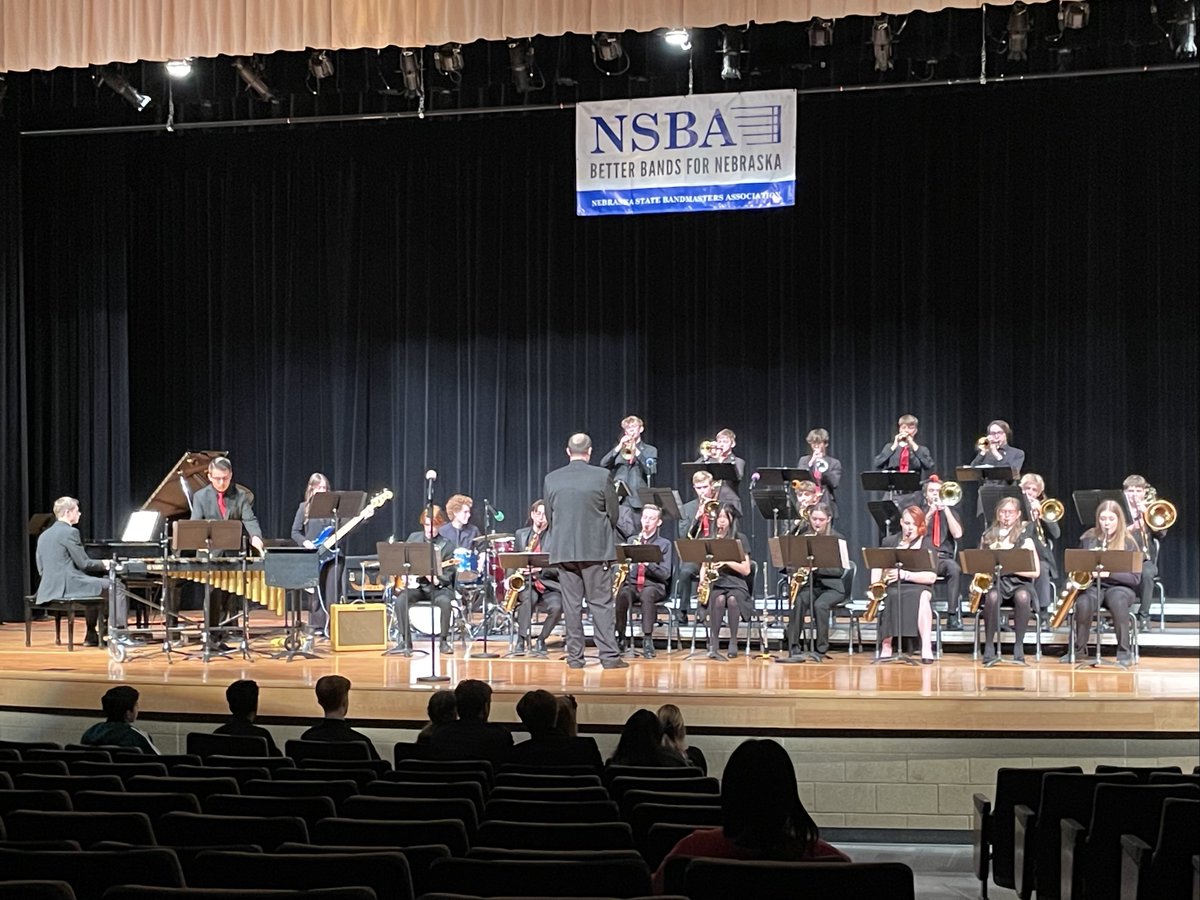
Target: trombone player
1045 515
540 587
826 471
944 531
632 462
646 583
1140 496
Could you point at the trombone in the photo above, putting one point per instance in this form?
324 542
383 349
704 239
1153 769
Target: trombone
1158 514
950 493
710 508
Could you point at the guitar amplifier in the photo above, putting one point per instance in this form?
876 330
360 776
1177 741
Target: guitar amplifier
358 626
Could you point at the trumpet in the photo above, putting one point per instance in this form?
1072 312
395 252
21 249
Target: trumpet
983 445
628 450
950 493
876 591
513 585
708 449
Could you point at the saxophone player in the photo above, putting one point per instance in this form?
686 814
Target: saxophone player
908 609
1009 532
1046 531
632 462
727 587
805 497
828 588
1119 588
540 588
826 471
646 584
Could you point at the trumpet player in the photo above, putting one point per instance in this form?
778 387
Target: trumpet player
697 519
828 589
1046 531
908 608
439 591
826 471
1120 589
1136 487
720 450
540 587
646 583
945 531
903 453
632 462
994 449
1009 532
728 589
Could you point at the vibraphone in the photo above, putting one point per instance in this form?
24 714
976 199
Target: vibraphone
245 579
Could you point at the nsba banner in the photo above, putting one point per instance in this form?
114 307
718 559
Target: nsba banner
686 154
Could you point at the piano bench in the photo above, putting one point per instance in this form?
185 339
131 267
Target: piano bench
59 608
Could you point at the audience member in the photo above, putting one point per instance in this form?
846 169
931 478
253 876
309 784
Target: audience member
120 705
674 737
333 693
442 708
547 746
641 743
761 814
242 697
472 736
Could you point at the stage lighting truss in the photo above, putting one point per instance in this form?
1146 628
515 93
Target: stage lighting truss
250 71
119 85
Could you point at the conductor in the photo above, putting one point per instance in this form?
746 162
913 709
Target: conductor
582 509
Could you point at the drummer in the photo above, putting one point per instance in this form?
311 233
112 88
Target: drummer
459 531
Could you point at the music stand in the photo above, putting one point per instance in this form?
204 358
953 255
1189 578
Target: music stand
1086 503
810 552
1097 561
405 561
723 472
898 560
714 550
997 563
984 473
634 554
886 515
207 535
992 498
527 562
665 498
296 570
890 481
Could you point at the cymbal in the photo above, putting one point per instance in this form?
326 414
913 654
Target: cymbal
484 538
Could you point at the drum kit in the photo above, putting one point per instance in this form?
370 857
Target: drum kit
476 569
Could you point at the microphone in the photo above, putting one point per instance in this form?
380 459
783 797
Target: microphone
430 478
496 514
431 475
754 480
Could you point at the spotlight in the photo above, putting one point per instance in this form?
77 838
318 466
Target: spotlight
249 71
881 43
607 46
524 75
731 55
820 32
1073 14
412 71
1181 28
179 68
448 60
319 64
1018 32
678 37
120 85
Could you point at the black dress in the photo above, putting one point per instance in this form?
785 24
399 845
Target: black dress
903 598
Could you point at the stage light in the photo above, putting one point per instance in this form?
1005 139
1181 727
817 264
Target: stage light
678 37
120 85
1073 14
179 68
319 64
820 32
731 55
448 60
1018 32
412 72
1181 27
524 74
881 43
249 73
607 46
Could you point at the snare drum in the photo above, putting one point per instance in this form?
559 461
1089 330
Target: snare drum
466 566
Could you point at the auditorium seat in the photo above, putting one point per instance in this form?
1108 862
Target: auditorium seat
36 890
91 872
337 791
67 756
547 779
646 815
384 833
378 766
406 809
198 829
171 784
420 857
310 809
385 872
34 799
167 759
85 827
138 892
417 790
1143 773
534 811
122 770
300 750
360 777
272 763
205 744
693 784
1164 869
448 765
540 771
240 774
551 794
541 878
555 836
661 840
632 798
713 879
550 855
72 784
26 767
441 777
1171 778
154 805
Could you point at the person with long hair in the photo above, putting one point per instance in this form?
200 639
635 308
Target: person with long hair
826 587
729 589
674 737
640 743
761 814
1119 588
908 607
305 531
1009 532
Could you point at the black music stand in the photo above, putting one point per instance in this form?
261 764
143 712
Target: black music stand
723 472
810 552
405 561
997 563
634 554
297 570
884 558
985 473
886 515
700 551
991 499
1086 503
890 481
526 562
1097 561
665 498
205 536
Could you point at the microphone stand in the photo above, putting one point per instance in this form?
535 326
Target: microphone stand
488 578
434 571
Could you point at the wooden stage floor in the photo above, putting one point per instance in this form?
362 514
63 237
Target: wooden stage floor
843 696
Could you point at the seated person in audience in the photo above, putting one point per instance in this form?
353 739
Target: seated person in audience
674 737
567 722
442 708
472 736
538 711
333 693
761 814
242 697
641 744
120 705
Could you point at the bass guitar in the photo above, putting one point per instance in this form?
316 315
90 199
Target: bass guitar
327 541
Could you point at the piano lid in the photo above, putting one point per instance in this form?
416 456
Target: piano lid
169 498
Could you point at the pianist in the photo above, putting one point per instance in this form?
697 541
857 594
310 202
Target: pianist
65 569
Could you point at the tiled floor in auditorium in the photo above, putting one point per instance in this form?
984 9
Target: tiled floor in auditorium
943 871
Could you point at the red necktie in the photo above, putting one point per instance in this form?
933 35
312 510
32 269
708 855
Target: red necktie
221 506
816 473
641 577
904 458
704 529
937 528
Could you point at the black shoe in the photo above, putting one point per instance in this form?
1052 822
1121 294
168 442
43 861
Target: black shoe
681 616
617 663
648 647
1019 659
519 646
575 663
91 639
954 623
539 648
620 643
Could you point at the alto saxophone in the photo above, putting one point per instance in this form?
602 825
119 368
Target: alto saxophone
796 581
619 579
513 585
876 591
708 575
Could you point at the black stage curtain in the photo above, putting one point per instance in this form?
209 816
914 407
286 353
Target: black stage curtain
372 301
